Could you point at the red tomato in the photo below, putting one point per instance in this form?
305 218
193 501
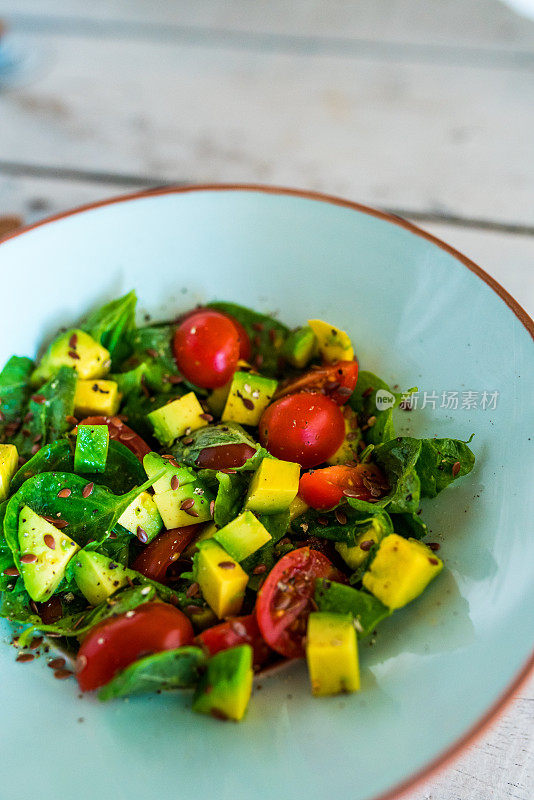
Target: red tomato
225 456
206 348
240 630
286 599
121 433
334 380
164 550
325 488
114 643
306 428
245 348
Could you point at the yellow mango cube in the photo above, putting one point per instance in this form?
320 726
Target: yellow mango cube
333 343
274 486
96 397
332 654
221 579
9 464
177 418
401 570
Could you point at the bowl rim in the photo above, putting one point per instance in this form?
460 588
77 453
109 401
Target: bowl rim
502 702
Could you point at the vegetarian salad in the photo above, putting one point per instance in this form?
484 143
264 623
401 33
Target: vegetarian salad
185 503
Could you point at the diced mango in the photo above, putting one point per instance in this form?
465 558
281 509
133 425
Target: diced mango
248 398
401 570
243 536
9 464
332 654
274 486
171 506
333 343
177 418
142 518
96 397
221 579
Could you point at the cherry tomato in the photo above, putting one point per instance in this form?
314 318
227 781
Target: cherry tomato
337 381
206 348
164 550
114 643
306 428
121 433
225 456
240 630
326 488
286 599
245 348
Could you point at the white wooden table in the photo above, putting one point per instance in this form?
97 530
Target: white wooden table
423 108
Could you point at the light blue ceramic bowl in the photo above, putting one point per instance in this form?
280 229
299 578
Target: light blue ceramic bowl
418 313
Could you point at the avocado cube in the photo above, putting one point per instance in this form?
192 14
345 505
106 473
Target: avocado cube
98 576
401 570
77 349
248 398
221 579
299 347
91 454
217 399
243 536
142 518
332 654
9 464
348 449
273 487
96 397
354 555
338 598
153 464
333 343
297 508
177 510
176 418
207 532
225 687
44 554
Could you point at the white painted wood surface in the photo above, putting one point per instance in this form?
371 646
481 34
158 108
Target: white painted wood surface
425 108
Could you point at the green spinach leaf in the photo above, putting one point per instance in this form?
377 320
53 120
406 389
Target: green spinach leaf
47 412
230 496
171 669
113 326
441 462
14 394
398 458
223 435
411 526
366 609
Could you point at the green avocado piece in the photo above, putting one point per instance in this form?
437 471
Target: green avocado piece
243 536
91 454
142 518
97 576
154 463
224 689
366 609
248 398
44 554
299 347
77 349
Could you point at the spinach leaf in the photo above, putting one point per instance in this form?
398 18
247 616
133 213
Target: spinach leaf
88 519
54 457
137 406
47 412
411 526
359 516
366 609
113 326
222 435
15 606
14 393
398 458
441 462
277 525
378 414
171 669
267 335
230 496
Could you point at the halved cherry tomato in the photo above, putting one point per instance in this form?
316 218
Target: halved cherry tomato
164 550
225 456
286 599
206 348
121 433
114 643
325 488
305 428
337 381
239 630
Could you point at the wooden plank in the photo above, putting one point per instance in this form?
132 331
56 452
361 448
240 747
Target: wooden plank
479 23
422 137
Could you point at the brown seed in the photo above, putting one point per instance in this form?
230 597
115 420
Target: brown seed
64 492
39 399
174 379
212 508
28 417
36 642
322 520
37 438
191 512
74 355
50 541
247 403
73 341
226 565
193 609
151 352
57 663
127 436
12 572
35 449
61 674
141 534
366 546
175 483
259 570
433 561
341 516
456 467
192 590
207 417
87 490
258 360
173 462
60 523
371 421
434 546
29 558
23 657
186 504
187 440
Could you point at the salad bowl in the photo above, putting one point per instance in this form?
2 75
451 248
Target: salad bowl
419 314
